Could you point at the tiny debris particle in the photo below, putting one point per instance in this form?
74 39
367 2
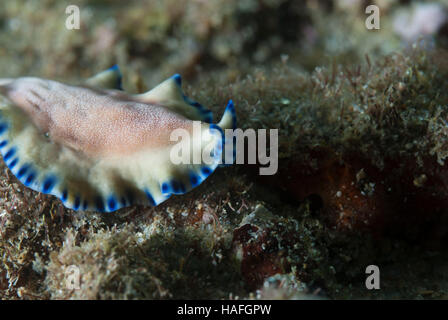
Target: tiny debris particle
338 194
420 180
207 218
285 101
360 175
401 86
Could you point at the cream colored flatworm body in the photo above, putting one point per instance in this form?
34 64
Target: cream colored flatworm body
98 148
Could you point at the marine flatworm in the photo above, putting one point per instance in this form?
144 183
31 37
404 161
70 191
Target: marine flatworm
96 147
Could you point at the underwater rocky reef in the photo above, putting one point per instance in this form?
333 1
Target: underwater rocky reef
362 118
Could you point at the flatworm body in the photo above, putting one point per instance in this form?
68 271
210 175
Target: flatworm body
98 148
